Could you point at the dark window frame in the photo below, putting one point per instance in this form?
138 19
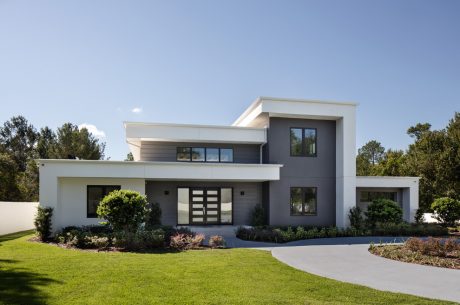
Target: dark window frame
104 191
205 154
303 213
303 148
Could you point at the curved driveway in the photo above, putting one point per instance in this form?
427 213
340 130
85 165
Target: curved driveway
348 260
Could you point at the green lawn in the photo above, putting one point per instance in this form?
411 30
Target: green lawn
33 273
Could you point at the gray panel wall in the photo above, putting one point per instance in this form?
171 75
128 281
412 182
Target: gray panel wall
243 205
302 172
166 151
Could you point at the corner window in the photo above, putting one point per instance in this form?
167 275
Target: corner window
95 193
226 155
183 154
198 154
212 154
303 142
303 201
201 154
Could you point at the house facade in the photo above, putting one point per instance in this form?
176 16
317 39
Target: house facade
295 157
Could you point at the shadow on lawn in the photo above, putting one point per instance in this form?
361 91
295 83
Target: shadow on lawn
19 286
15 235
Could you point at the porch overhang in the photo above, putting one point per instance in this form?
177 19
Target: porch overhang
159 170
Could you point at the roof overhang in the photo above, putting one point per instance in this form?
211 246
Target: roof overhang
145 132
50 168
386 181
293 108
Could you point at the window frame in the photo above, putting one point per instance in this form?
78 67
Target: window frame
104 187
303 188
303 148
219 149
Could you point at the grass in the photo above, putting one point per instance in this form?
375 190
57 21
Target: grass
35 273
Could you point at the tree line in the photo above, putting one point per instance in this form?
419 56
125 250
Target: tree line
21 144
434 156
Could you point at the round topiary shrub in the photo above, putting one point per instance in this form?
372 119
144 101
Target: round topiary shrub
447 210
124 210
383 211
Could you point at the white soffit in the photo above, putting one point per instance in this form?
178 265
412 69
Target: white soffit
193 133
294 108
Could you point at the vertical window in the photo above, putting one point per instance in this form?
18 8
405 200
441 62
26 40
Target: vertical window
198 154
226 205
303 201
212 154
183 206
226 155
296 142
95 193
183 154
303 142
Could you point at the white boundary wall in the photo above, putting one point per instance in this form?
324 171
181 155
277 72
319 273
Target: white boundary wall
17 216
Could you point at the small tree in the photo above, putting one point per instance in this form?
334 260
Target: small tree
383 211
124 210
356 218
258 216
42 222
447 210
153 216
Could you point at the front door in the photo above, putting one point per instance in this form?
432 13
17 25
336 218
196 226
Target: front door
205 205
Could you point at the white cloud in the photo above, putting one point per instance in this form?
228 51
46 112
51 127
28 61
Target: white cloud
92 129
136 110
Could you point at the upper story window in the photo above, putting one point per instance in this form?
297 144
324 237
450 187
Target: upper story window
202 154
303 142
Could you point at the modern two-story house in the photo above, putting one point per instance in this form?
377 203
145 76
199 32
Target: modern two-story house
295 157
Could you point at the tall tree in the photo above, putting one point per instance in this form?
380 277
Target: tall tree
18 139
72 143
418 130
372 151
9 190
46 143
392 164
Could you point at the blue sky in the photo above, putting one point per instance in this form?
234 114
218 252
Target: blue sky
204 62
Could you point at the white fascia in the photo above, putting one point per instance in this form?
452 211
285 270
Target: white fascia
136 132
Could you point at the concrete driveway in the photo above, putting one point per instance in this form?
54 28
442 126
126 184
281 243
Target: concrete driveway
353 263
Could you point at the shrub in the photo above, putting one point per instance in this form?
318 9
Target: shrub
383 211
258 216
447 210
123 209
433 246
186 241
216 241
419 217
356 218
153 218
140 240
42 222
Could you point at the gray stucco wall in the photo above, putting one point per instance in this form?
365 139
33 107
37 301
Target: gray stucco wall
302 172
166 151
242 204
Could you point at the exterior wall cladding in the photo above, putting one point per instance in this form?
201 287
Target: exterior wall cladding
165 193
316 171
166 151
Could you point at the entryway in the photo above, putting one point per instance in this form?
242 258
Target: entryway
205 206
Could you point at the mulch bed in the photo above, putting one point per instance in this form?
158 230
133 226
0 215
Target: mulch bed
400 253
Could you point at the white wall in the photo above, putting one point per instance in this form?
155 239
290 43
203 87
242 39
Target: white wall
70 210
17 216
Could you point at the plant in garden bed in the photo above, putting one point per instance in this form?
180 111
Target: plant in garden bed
432 251
216 241
42 222
447 210
186 241
383 211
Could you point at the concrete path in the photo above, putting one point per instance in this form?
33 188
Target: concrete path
347 259
353 263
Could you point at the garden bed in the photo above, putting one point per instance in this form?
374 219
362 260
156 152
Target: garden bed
276 234
436 252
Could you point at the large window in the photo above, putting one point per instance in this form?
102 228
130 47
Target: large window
303 142
95 193
303 201
371 196
201 154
